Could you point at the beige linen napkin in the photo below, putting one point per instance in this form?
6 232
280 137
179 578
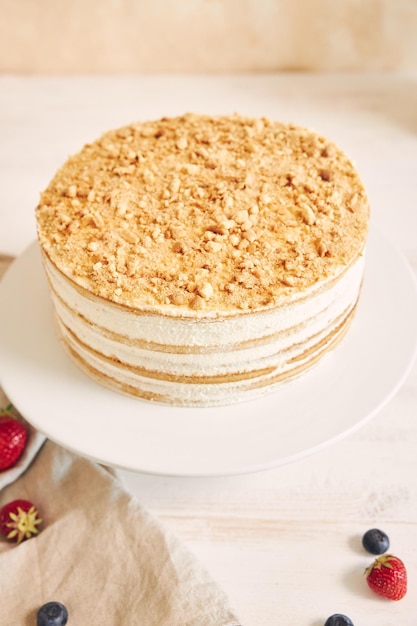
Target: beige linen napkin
101 554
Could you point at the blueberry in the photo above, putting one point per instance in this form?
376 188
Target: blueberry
375 541
338 620
52 614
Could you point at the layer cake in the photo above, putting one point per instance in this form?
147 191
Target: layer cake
201 260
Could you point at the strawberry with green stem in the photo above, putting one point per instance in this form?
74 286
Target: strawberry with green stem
387 576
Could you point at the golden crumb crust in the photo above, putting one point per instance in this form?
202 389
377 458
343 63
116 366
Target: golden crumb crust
207 213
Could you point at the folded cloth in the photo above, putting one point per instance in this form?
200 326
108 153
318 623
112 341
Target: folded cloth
99 551
101 554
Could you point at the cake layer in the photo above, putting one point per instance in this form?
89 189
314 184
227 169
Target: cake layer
219 356
205 393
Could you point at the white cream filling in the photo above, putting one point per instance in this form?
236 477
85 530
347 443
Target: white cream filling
275 353
186 394
288 337
206 331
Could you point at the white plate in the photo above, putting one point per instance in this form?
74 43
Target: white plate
347 388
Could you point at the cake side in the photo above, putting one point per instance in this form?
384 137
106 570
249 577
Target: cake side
201 393
191 362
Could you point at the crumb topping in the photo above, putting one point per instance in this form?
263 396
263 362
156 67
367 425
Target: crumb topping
212 213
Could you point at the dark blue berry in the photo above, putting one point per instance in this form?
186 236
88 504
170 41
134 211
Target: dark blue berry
52 614
375 541
338 620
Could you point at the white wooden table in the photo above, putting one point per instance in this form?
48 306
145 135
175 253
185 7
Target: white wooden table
285 543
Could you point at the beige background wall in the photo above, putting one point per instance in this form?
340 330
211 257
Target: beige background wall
113 36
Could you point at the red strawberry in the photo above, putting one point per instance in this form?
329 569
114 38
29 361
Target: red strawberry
13 435
19 520
387 576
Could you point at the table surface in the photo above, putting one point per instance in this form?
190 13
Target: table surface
285 544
